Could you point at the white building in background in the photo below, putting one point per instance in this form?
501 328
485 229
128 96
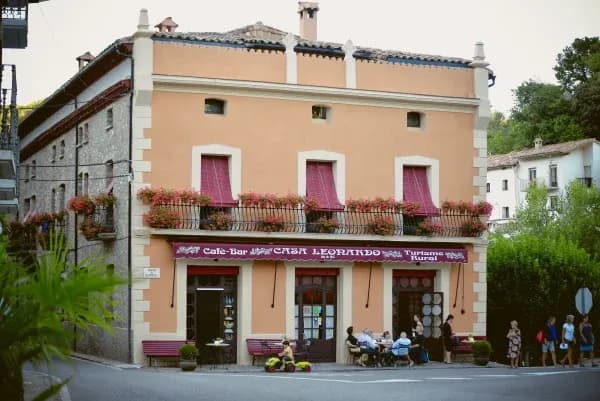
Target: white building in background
554 166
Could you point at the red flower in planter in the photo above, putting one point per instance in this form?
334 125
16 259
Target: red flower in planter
271 224
382 225
162 217
82 204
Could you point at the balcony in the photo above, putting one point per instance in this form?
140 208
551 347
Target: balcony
14 24
447 222
100 225
585 181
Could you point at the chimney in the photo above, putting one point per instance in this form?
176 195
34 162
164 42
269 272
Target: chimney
84 60
538 143
308 19
167 25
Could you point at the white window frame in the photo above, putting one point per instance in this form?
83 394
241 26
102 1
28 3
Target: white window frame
339 170
327 113
422 121
507 214
433 175
235 165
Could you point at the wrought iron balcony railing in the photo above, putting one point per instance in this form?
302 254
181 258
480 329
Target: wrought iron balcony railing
100 224
444 223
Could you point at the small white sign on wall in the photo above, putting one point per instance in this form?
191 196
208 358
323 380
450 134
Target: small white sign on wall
151 272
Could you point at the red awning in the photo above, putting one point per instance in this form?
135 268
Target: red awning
321 186
416 189
215 181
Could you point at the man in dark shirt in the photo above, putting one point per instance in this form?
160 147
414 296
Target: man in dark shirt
550 339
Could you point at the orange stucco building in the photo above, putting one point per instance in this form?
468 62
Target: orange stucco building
284 186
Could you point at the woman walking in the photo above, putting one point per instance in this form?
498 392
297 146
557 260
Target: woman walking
568 339
587 341
514 344
447 334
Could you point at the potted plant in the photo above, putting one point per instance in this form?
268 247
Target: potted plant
188 354
481 352
472 228
382 225
218 221
162 217
326 225
271 223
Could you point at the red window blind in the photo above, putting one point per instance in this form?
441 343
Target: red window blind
212 270
416 189
320 185
215 180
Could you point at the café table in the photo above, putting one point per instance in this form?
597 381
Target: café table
217 350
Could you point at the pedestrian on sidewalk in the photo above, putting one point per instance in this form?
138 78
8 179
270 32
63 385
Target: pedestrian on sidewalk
514 344
586 338
448 338
568 340
550 339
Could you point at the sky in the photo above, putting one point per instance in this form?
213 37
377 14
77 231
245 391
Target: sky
522 37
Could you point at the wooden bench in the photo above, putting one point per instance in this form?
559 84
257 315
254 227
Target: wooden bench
162 348
270 347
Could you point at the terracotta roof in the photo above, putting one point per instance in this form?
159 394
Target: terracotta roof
255 35
512 158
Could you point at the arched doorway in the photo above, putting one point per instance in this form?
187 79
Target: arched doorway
316 312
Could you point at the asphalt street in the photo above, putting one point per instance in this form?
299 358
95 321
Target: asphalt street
92 381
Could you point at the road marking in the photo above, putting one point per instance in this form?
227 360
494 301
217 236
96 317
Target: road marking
327 380
550 373
496 375
390 381
449 378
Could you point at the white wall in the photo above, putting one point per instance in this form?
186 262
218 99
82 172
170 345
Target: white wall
499 198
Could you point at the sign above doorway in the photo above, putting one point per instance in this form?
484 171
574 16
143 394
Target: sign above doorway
198 250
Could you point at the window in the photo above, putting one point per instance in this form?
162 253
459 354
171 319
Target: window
53 155
416 189
587 171
86 133
27 207
61 153
320 112
80 135
33 169
505 185
505 212
86 183
320 185
109 174
215 180
109 119
553 202
214 106
532 175
53 201
79 189
553 176
487 187
414 119
61 197
27 172
33 204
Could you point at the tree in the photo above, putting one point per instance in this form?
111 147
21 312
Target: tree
542 110
579 217
501 136
578 63
578 71
35 305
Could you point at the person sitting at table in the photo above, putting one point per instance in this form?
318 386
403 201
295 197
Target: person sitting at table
401 348
352 344
287 354
368 346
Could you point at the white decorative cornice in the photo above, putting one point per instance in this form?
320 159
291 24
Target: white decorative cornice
291 59
350 64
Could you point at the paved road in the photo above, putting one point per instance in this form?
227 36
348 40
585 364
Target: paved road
92 381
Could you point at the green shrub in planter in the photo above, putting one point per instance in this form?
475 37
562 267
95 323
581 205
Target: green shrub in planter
189 352
482 348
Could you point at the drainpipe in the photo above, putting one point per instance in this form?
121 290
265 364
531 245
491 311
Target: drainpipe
129 212
75 234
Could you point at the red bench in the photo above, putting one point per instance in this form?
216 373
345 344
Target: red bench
465 347
269 347
162 348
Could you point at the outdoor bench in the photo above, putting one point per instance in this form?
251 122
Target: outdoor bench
269 347
162 348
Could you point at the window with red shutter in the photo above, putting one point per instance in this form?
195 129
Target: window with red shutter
321 186
416 189
215 180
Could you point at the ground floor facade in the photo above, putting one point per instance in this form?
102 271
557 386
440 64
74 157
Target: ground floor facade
311 293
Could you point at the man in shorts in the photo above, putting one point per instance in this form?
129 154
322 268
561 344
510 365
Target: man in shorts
550 339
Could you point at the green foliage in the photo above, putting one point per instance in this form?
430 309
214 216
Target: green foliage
189 352
35 304
578 63
481 348
579 217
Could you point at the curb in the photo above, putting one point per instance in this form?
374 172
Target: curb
102 361
33 376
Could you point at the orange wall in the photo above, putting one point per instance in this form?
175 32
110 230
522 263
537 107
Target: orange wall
161 316
371 317
440 81
218 62
265 319
321 71
270 133
463 322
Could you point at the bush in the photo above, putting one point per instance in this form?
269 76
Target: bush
189 352
481 348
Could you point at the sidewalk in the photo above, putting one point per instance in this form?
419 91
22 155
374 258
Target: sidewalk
35 382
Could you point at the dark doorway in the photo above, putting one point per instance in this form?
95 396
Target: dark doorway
316 312
211 310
